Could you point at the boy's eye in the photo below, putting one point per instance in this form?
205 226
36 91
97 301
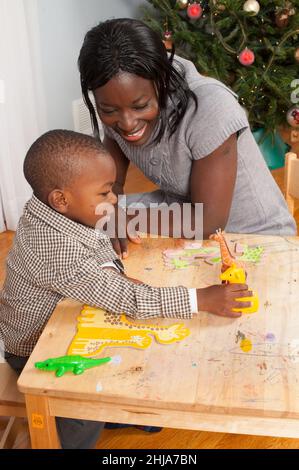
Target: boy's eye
104 194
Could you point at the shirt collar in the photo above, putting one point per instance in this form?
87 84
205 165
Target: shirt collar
69 228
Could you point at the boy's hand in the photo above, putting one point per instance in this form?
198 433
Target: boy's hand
220 299
120 245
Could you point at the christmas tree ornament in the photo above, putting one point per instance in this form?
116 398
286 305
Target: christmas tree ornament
293 116
194 11
252 7
216 44
182 4
282 17
168 40
290 7
246 57
294 136
218 5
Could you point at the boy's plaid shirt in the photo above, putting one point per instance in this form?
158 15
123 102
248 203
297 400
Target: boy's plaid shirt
53 258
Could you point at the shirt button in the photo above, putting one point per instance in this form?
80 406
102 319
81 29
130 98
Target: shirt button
154 161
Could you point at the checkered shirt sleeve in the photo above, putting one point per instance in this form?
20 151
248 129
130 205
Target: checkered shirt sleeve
53 258
86 282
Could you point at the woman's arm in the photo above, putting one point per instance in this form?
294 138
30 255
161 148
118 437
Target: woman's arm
212 183
121 162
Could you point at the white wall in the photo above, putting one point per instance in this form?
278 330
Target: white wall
62 25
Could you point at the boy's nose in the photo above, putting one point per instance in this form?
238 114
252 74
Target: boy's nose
113 199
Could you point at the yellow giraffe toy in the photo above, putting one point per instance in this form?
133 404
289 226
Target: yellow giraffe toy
98 329
233 272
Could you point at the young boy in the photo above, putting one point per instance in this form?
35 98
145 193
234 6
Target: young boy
57 253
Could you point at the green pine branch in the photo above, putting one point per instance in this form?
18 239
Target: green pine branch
214 41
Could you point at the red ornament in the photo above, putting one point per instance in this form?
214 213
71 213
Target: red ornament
194 11
246 57
293 116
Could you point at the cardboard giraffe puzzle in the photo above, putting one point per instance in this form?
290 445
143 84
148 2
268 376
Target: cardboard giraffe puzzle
98 329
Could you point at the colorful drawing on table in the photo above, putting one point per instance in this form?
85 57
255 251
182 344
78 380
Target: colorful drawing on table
245 343
181 258
98 329
288 351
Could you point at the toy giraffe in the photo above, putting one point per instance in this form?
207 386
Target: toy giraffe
233 272
98 329
227 258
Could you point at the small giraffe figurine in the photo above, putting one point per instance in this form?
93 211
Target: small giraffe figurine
227 258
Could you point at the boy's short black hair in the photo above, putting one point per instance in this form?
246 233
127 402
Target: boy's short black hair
56 158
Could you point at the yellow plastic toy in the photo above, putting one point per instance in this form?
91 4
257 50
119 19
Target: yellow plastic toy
236 275
233 272
98 329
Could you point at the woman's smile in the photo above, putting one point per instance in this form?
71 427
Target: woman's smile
133 136
129 105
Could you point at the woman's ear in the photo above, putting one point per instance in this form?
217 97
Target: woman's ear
58 201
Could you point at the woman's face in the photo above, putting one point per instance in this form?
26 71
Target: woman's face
129 105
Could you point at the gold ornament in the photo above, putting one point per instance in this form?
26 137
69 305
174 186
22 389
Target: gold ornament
182 4
252 7
168 40
289 6
282 14
219 6
296 54
282 18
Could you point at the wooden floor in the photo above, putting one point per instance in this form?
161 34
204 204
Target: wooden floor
132 438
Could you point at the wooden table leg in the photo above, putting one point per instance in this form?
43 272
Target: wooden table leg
42 426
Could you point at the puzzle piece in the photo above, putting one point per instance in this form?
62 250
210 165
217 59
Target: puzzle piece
183 258
98 329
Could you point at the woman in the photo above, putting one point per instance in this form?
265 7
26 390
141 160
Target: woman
186 132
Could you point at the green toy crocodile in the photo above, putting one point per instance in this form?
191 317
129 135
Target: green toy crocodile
75 364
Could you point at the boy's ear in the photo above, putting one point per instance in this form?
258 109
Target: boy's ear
58 201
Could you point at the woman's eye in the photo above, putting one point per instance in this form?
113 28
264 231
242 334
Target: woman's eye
104 194
141 106
106 111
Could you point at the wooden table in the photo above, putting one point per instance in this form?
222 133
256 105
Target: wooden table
206 382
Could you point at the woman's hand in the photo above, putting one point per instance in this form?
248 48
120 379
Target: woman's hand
220 299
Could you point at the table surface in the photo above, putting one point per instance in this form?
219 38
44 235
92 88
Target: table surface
207 381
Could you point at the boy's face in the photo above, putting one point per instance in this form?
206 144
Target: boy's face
89 190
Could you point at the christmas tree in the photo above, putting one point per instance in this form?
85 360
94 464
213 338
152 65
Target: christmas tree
250 46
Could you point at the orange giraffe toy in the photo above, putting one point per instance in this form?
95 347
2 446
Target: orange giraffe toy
227 258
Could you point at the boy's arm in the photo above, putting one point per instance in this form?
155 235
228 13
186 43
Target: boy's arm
86 282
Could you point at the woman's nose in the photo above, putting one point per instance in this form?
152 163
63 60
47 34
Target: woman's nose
127 122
